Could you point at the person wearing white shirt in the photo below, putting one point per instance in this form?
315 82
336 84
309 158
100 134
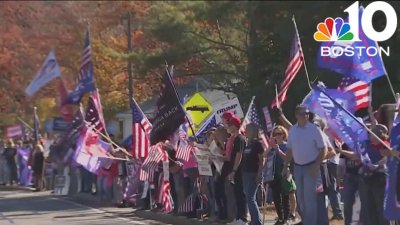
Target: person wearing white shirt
307 149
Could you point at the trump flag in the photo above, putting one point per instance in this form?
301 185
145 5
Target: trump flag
47 72
362 65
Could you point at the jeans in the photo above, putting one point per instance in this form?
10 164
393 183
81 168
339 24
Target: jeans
104 191
12 168
240 197
307 195
211 195
375 192
281 199
322 211
86 180
250 189
220 198
190 181
333 190
352 184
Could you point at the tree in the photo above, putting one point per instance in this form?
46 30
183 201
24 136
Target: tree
244 47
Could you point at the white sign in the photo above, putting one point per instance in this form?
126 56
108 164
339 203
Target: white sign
62 183
212 152
231 105
203 165
14 131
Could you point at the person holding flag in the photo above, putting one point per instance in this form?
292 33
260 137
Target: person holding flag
375 175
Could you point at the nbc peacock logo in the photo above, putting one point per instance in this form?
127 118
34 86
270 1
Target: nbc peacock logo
333 30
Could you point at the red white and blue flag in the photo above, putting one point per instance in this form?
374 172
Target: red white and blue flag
150 164
359 88
141 128
86 81
295 63
184 148
253 117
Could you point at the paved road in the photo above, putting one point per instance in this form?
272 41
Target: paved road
21 207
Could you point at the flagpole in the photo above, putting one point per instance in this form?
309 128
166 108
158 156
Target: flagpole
25 123
276 97
89 126
352 116
302 53
386 74
177 95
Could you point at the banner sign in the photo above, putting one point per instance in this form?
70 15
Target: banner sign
59 124
231 105
15 131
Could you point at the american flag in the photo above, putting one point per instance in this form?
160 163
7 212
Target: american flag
146 175
141 128
151 163
359 88
184 148
167 200
295 63
187 205
93 117
86 76
96 99
253 117
86 68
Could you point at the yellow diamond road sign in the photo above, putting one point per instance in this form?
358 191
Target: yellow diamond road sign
198 108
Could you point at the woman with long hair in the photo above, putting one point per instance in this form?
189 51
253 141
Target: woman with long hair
37 166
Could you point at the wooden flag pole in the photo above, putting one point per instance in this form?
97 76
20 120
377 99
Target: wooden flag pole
301 51
89 126
25 123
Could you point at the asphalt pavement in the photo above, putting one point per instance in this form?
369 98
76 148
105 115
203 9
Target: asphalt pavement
24 207
21 206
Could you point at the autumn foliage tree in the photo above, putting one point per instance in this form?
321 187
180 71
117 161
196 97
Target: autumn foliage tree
32 29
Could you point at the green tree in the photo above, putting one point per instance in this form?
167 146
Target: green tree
244 46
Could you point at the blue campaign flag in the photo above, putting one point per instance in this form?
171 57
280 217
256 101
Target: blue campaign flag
86 81
392 192
47 72
339 119
360 65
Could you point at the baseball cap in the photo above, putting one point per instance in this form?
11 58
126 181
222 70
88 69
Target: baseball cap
227 115
235 121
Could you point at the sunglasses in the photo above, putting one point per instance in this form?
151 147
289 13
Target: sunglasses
302 113
277 134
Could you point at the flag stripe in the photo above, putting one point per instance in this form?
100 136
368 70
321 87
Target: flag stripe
294 66
141 128
360 89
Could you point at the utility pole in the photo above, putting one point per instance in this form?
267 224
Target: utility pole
130 77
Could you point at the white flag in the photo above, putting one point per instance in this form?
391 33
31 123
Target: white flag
48 71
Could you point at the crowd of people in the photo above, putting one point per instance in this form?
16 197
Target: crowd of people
13 173
303 166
